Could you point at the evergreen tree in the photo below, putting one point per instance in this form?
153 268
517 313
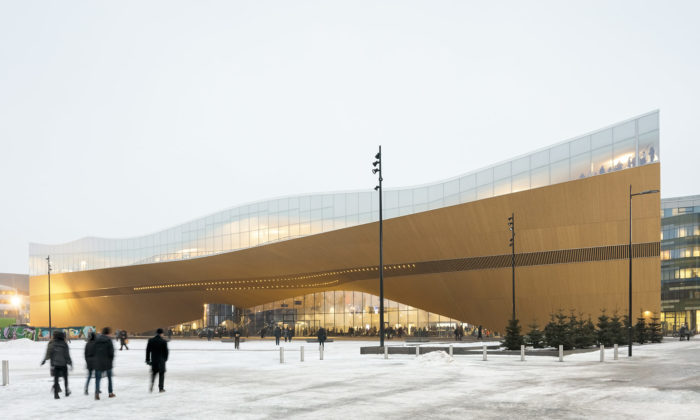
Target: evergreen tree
535 337
654 330
513 339
557 331
588 333
640 331
605 333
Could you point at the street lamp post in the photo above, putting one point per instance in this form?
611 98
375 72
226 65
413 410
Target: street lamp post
629 252
511 227
48 265
378 168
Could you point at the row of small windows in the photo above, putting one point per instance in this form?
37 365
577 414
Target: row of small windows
680 273
684 252
677 211
681 231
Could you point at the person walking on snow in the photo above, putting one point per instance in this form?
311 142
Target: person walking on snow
59 355
123 340
156 356
104 356
278 334
321 334
90 359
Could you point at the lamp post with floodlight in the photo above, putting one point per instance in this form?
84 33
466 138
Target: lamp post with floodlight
378 169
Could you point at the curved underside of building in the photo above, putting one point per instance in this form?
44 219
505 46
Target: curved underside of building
571 254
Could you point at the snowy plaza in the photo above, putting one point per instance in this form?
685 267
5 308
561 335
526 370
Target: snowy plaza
210 379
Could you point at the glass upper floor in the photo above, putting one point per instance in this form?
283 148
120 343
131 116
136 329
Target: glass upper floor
624 145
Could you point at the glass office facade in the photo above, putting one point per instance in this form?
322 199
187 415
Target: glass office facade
680 262
624 145
344 313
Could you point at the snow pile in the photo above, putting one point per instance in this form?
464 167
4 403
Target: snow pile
22 343
435 357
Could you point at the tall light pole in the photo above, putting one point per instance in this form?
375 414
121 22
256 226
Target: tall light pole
378 168
511 227
629 252
48 266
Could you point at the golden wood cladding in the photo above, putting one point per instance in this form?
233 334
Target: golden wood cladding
452 261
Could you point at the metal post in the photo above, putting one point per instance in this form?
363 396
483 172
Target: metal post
451 350
5 373
381 255
561 352
386 352
629 330
602 353
320 354
281 354
301 352
417 350
48 264
512 258
616 356
483 348
522 352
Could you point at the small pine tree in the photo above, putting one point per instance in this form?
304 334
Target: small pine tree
588 333
557 331
605 334
654 330
535 337
640 331
513 339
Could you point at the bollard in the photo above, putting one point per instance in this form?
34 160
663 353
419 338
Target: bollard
615 352
5 373
320 354
301 352
484 351
561 352
522 352
281 354
386 352
602 353
451 350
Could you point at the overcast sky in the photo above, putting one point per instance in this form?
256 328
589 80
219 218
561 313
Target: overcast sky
120 118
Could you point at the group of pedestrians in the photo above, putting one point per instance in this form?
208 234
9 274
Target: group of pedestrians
99 357
287 333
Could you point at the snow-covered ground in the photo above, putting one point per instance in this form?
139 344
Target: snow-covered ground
210 380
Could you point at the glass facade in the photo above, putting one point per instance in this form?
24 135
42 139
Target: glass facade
680 262
621 146
344 313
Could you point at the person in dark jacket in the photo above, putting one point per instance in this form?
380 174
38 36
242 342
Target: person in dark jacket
237 338
90 359
104 356
156 356
278 334
321 334
170 334
480 335
123 338
290 333
59 355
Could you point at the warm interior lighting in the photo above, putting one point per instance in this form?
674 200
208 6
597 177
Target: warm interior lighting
16 301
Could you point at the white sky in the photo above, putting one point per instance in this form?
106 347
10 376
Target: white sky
125 117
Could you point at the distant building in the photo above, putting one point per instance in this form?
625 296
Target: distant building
14 297
680 262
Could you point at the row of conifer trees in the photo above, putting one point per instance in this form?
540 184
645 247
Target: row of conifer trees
576 331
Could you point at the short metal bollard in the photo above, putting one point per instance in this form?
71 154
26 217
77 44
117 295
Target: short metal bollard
301 353
615 357
281 354
5 372
602 353
417 350
451 350
522 352
386 352
320 353
561 352
484 352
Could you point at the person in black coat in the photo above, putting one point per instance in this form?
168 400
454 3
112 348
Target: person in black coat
237 338
321 334
156 356
90 359
278 334
123 338
104 356
290 334
59 355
